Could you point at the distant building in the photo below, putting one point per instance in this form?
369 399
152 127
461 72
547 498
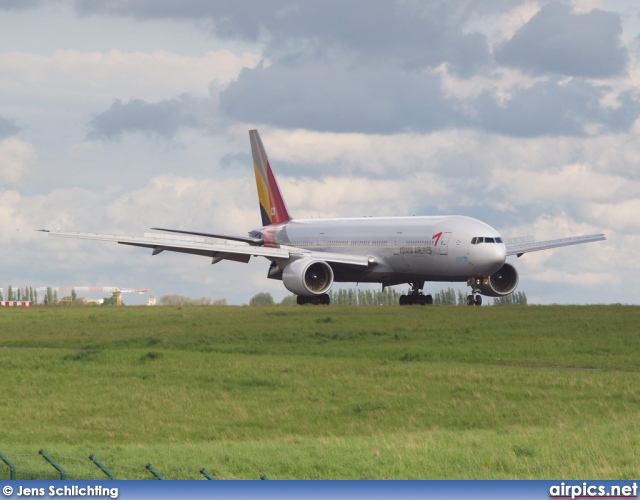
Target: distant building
93 301
152 300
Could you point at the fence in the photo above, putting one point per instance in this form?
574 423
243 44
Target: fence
41 465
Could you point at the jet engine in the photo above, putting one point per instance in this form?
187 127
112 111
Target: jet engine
308 277
500 283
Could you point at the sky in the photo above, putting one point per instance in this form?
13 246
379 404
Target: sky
121 115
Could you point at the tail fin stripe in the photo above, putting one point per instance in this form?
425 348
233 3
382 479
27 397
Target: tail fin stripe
263 196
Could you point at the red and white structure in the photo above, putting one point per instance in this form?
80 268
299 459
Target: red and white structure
113 289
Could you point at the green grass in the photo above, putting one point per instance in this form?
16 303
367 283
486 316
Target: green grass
323 393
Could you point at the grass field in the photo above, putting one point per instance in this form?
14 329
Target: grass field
323 392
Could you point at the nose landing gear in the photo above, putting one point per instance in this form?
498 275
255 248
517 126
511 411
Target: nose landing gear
475 299
415 297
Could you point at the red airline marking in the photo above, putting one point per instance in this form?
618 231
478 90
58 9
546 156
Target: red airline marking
437 238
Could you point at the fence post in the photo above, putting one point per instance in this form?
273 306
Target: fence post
45 455
153 471
12 468
102 467
206 474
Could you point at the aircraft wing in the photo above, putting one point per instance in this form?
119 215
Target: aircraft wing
244 239
214 248
534 246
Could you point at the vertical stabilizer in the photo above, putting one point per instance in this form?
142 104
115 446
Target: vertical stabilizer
272 207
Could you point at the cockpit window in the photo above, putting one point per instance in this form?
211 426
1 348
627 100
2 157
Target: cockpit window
485 239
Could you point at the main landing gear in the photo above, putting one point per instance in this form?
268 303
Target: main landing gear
415 297
318 300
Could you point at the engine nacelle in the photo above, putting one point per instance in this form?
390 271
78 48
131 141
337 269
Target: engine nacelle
500 283
308 277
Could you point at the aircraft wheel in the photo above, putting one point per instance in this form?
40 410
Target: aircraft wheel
403 300
320 300
478 300
470 300
429 300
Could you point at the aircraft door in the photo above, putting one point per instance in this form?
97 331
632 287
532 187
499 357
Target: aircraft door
444 243
320 239
396 243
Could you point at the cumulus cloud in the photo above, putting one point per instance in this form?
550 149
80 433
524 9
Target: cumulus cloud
555 108
77 76
16 156
378 68
10 217
19 4
371 99
7 128
570 184
186 202
621 215
375 100
162 118
410 34
558 40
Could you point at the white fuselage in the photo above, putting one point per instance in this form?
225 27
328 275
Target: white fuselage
405 249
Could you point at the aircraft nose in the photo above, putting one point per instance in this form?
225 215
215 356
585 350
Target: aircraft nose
496 256
492 258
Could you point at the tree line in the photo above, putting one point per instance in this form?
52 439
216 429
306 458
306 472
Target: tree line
19 294
449 297
388 297
516 298
181 300
49 298
347 297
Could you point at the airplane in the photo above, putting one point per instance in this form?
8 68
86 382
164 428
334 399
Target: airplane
310 255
